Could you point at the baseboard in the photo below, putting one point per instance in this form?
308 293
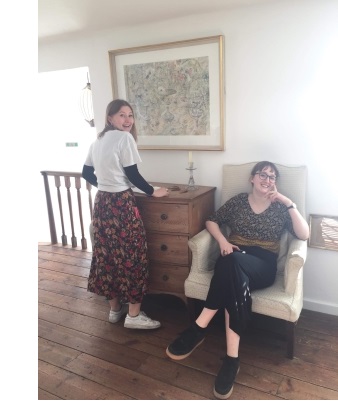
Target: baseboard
328 308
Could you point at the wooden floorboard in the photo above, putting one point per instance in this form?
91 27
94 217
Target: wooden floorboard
84 357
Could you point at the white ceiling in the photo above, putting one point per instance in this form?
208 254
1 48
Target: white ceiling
65 17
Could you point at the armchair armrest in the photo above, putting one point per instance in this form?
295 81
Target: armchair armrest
294 263
205 251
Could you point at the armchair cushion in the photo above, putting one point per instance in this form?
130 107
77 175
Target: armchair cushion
283 300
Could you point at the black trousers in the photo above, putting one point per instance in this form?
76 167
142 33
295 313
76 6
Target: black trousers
235 276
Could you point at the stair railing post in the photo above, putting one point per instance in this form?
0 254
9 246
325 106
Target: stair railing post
51 220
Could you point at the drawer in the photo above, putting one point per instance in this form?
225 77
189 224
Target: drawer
165 217
167 278
166 248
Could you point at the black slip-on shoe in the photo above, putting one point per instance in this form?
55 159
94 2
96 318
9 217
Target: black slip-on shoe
185 344
225 379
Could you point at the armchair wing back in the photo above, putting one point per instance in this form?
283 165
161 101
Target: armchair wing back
284 299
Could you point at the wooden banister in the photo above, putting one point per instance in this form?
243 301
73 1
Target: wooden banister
49 209
70 179
58 185
78 188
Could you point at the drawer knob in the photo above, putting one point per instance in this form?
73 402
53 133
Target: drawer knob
164 216
164 247
165 278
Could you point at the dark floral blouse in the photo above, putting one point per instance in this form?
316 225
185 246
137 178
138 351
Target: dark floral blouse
247 228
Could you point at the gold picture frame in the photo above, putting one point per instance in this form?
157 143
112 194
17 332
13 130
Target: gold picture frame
176 90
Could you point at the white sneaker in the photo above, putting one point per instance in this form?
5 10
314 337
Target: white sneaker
142 321
114 317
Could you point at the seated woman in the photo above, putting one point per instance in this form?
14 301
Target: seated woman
247 261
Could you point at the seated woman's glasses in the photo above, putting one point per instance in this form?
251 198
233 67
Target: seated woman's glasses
264 176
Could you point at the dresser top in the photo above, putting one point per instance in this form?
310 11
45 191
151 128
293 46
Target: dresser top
178 192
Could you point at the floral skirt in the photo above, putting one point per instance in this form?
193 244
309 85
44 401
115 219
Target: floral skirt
119 265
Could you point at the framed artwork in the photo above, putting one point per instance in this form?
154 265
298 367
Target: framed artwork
176 90
323 232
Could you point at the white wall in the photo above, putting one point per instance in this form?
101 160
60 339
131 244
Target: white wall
281 64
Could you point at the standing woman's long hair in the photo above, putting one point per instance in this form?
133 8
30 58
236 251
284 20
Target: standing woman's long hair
113 108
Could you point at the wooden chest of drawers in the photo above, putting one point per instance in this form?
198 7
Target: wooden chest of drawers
169 223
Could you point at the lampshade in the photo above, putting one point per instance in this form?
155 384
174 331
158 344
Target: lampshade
86 104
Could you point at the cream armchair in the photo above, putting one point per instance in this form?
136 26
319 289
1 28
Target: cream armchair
284 299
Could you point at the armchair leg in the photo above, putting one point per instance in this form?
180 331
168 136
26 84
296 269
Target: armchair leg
191 309
290 332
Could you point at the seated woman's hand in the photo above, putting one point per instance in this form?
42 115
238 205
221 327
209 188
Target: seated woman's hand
229 249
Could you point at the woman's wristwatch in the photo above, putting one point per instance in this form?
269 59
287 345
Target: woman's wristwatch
293 205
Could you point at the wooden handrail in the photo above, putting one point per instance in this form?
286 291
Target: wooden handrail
70 179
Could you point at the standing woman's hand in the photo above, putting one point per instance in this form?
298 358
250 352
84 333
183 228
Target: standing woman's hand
160 192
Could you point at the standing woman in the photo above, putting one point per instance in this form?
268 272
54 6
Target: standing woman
119 269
